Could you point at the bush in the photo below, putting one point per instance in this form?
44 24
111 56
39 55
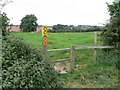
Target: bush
111 32
109 57
24 67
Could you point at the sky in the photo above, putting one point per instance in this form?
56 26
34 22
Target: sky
52 12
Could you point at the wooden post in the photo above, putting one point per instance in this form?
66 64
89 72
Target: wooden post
72 58
44 49
95 41
44 41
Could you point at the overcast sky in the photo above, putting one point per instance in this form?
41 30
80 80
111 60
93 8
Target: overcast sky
51 12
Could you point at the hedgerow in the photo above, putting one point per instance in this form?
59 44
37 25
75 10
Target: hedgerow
24 67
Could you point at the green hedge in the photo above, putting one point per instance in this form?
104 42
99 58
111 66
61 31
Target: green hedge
109 57
24 67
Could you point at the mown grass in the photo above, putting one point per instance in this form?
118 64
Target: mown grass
87 75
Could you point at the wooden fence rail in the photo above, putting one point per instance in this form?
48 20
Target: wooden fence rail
92 47
80 47
75 47
61 49
86 47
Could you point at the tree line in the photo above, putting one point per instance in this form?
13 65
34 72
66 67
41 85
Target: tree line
110 32
72 28
29 24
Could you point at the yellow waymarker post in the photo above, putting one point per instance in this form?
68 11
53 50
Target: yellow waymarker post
44 41
44 31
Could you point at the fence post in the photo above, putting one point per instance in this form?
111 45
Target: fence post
72 58
95 41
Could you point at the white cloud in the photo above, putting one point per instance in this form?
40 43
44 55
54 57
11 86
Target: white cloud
50 12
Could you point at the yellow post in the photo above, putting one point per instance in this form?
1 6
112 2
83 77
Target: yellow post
44 41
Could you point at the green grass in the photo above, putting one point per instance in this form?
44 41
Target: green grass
87 75
59 40
90 76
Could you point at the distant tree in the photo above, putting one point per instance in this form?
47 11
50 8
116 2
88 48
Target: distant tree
60 28
111 32
29 23
72 28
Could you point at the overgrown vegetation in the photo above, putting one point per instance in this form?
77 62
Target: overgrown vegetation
111 32
24 67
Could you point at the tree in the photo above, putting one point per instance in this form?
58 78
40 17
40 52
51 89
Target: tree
4 21
29 23
111 32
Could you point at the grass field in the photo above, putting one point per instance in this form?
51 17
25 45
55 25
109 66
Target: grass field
59 40
86 75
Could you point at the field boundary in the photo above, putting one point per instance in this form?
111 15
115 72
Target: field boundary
75 47
81 47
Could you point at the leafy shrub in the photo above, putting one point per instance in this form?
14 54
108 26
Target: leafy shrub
24 67
111 32
109 57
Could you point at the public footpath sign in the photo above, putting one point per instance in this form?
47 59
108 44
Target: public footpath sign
44 41
44 35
